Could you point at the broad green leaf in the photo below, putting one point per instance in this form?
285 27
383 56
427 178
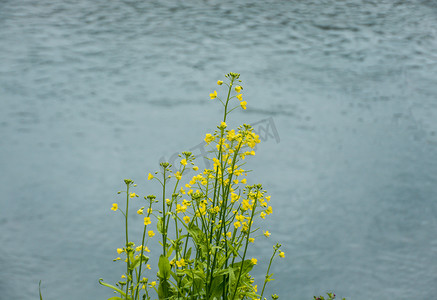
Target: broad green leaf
217 286
164 267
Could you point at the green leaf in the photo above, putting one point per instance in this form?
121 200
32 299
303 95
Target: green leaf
164 267
188 254
160 225
217 287
198 238
115 298
136 262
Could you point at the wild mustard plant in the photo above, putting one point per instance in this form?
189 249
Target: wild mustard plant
206 222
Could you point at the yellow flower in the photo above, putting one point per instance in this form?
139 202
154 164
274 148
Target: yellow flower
180 208
243 104
240 218
269 210
119 250
213 95
150 233
138 249
268 198
263 215
238 88
147 221
186 219
240 97
254 261
223 125
251 240
123 276
229 234
150 176
132 195
243 181
209 138
114 206
220 82
281 254
178 175
148 267
140 211
149 210
184 162
195 168
181 263
153 283
237 224
234 197
146 249
267 233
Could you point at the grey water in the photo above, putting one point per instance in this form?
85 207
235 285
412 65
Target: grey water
344 95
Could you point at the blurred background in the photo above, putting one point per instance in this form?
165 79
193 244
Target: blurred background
343 94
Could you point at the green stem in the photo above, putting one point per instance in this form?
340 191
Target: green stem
247 242
127 239
268 270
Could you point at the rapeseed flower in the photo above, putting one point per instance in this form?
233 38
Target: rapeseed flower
133 195
140 211
195 168
219 82
114 206
150 176
238 88
213 95
184 162
240 97
267 233
178 175
153 283
209 138
254 261
181 263
243 104
151 233
281 254
119 250
186 219
147 221
180 208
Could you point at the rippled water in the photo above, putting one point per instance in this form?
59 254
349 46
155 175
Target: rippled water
92 92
